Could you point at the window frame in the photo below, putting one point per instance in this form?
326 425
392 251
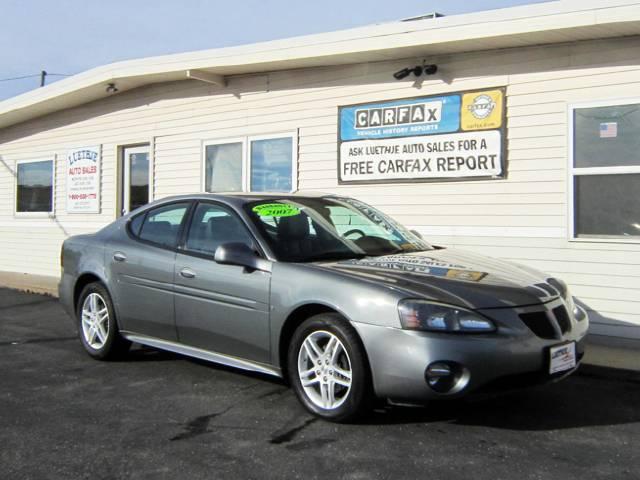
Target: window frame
246 141
573 172
42 214
223 141
124 174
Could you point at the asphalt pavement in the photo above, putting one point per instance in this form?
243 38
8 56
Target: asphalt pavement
157 415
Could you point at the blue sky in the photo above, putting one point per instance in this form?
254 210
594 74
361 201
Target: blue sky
69 36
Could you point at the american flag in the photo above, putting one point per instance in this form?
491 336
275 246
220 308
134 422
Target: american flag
609 130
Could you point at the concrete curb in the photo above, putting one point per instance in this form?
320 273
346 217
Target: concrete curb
27 282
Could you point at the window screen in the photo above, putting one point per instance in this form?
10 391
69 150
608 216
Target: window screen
607 136
607 205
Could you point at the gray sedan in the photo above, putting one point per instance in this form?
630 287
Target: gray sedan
325 291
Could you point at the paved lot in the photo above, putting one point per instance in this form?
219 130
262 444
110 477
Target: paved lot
158 415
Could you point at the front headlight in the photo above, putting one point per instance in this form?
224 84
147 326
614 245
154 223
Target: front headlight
436 317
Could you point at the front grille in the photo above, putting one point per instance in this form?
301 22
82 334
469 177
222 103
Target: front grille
540 324
547 288
562 317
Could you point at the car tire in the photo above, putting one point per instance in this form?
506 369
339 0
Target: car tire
97 325
326 354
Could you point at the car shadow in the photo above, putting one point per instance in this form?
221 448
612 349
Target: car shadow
595 396
142 353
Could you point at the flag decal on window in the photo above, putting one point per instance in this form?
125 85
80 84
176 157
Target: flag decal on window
609 130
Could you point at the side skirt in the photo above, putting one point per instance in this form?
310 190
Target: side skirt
202 354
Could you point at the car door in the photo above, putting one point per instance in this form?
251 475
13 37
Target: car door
141 260
220 308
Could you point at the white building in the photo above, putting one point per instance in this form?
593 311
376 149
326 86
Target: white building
549 93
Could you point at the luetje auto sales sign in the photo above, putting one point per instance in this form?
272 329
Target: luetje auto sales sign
83 180
457 136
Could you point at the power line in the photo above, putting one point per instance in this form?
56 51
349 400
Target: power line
19 78
35 75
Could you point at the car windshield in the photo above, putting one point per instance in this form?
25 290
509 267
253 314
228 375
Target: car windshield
303 229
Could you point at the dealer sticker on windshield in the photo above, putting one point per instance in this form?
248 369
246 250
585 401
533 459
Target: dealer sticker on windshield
276 210
562 357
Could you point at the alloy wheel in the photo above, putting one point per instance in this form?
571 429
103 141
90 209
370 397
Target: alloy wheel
324 369
95 321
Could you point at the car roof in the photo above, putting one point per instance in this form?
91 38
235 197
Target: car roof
240 198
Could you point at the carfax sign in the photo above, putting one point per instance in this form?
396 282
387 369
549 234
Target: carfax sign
456 136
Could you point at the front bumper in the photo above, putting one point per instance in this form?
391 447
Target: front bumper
514 356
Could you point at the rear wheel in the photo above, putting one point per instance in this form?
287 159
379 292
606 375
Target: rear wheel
328 368
97 326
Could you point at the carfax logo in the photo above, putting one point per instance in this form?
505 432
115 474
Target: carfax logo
482 106
429 112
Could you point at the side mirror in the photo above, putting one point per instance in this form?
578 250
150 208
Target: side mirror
242 255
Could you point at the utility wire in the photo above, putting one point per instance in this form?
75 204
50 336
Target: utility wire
19 78
33 76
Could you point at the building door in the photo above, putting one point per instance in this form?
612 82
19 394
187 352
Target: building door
136 175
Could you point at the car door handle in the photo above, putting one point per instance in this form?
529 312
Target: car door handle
187 273
119 257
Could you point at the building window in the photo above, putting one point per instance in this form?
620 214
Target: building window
34 186
251 164
605 171
271 164
223 167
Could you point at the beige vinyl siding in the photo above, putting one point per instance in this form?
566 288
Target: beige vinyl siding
521 218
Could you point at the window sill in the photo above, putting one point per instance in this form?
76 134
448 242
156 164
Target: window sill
624 241
50 215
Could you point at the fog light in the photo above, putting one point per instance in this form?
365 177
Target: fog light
579 313
446 377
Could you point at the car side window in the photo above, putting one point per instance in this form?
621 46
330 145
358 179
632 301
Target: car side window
211 226
136 223
162 224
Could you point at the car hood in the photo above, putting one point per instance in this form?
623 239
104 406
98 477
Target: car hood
454 277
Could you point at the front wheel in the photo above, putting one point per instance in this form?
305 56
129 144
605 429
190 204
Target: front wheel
97 324
328 368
